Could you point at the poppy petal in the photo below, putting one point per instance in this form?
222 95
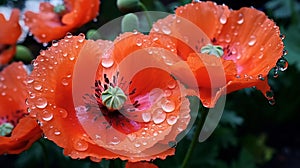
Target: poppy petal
48 25
52 82
13 109
9 26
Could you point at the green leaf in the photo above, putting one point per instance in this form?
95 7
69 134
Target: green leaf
231 118
292 42
245 160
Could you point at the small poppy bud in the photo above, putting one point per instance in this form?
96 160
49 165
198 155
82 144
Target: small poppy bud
128 5
23 54
130 22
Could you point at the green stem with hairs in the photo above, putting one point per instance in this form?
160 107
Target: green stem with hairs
200 124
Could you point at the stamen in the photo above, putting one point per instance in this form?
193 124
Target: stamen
6 129
212 50
113 98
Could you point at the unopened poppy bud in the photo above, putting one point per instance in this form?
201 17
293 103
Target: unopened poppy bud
128 5
23 54
113 98
93 34
130 22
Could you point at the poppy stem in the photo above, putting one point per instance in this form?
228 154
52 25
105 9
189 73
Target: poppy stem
148 17
203 115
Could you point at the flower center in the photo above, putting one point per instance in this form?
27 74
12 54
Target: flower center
60 8
6 129
113 98
212 50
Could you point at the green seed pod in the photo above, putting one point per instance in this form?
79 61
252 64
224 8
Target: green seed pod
113 98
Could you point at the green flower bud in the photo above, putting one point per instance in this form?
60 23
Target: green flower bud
6 129
128 5
130 22
23 54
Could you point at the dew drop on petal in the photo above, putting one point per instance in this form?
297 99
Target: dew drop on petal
158 116
69 35
63 113
223 19
261 77
41 102
252 40
284 52
81 145
166 30
115 140
137 145
107 62
81 37
146 116
168 106
172 119
282 64
240 18
56 132
54 43
37 86
64 82
47 115
131 137
282 36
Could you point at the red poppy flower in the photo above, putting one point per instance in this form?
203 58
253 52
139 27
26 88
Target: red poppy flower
140 165
54 22
107 105
10 31
18 131
249 47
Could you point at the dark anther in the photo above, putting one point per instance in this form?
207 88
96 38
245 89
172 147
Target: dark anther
132 92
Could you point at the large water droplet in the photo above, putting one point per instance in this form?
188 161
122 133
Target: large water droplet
65 81
81 37
252 40
168 106
158 116
115 141
282 64
37 86
47 115
146 116
81 145
223 19
166 30
172 119
107 62
240 18
54 43
69 35
41 102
